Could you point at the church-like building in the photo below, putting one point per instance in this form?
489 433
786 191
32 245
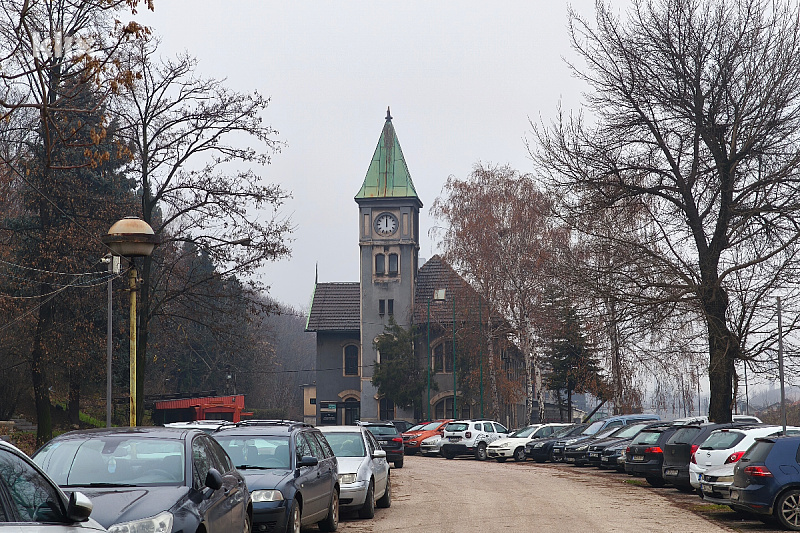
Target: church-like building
449 315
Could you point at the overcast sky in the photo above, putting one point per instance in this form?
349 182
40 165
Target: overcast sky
462 79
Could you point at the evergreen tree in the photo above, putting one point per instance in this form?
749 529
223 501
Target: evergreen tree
398 376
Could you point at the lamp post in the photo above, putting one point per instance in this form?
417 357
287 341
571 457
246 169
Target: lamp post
131 237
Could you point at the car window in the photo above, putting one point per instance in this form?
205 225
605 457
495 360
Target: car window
543 432
382 430
487 427
31 497
456 426
326 447
757 452
202 462
373 442
647 437
301 444
221 457
500 428
615 423
629 431
684 435
722 440
316 448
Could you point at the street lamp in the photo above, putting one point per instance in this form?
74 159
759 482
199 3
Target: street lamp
438 295
131 237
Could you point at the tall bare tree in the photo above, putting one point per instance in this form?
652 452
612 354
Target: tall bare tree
696 120
186 134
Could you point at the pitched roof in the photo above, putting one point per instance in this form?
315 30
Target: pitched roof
436 274
388 175
335 307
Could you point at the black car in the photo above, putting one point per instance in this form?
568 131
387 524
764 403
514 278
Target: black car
678 452
645 455
576 452
390 440
594 453
291 471
150 478
613 457
542 450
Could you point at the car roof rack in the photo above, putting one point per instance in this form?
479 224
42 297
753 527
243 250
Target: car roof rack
289 424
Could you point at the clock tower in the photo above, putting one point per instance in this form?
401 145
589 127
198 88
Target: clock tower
388 228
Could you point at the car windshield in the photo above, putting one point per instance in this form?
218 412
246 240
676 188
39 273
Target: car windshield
416 428
114 460
349 444
524 432
382 430
606 432
430 427
722 440
257 452
574 431
563 431
647 437
629 431
684 435
593 428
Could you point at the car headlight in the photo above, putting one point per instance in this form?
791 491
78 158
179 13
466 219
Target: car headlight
346 479
582 448
266 496
161 523
538 445
431 440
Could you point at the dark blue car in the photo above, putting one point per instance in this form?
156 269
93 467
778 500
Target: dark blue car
766 480
291 471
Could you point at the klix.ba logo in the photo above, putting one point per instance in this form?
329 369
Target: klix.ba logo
57 45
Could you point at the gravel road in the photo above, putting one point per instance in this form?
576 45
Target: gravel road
464 495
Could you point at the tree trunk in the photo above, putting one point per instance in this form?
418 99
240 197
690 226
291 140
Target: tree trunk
41 392
569 403
74 400
537 372
526 350
495 401
723 351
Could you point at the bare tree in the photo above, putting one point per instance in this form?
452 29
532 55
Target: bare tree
695 119
196 186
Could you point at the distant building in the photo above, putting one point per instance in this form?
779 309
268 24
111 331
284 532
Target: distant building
347 317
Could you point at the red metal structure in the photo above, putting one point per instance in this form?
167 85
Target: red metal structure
230 408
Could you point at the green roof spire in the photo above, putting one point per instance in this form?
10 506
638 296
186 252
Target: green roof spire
388 175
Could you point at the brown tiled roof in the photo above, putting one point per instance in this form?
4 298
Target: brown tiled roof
435 274
336 307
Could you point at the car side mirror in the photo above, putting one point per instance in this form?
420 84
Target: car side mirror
308 460
379 454
79 507
213 479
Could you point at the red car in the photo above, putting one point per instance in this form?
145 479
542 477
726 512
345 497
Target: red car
413 438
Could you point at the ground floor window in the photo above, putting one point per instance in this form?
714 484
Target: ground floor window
386 409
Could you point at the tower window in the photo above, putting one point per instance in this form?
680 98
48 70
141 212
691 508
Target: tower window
351 360
393 266
381 307
380 264
390 307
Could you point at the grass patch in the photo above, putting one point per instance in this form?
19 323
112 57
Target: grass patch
83 417
637 482
710 508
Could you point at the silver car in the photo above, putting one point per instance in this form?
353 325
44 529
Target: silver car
31 502
364 478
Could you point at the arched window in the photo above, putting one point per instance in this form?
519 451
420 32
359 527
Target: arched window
443 357
351 360
444 409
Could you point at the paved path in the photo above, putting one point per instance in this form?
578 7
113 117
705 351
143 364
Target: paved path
435 495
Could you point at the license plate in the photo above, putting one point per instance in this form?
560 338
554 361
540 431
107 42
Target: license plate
671 472
604 459
454 439
638 458
734 495
570 459
594 454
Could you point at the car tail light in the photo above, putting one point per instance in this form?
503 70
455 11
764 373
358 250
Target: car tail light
732 458
695 447
757 471
627 450
653 449
468 435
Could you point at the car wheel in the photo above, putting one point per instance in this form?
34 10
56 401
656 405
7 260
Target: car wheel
385 501
331 522
480 452
551 457
368 509
787 510
294 518
519 454
398 463
655 481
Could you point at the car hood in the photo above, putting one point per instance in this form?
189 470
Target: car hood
266 479
510 441
350 465
111 506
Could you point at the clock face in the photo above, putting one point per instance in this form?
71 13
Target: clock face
386 224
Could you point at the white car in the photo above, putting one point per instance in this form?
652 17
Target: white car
715 483
364 478
470 437
431 446
32 503
514 445
726 446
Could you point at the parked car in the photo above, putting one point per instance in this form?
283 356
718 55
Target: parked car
291 471
150 478
470 437
32 503
613 456
626 434
432 446
679 449
726 446
766 480
412 439
576 453
645 454
514 444
364 476
715 484
390 440
597 426
542 449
